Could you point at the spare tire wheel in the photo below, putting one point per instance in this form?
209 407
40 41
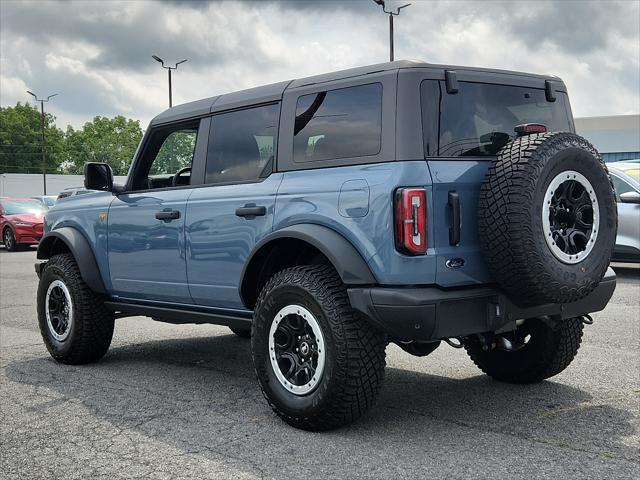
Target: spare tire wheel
547 218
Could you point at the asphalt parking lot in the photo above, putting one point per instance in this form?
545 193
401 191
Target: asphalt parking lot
182 402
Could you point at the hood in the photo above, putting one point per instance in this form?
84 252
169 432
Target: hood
25 217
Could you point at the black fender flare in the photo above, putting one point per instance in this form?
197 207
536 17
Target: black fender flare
349 264
81 251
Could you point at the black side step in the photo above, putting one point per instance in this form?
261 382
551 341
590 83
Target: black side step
176 315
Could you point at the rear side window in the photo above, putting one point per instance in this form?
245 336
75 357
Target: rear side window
479 119
340 123
242 145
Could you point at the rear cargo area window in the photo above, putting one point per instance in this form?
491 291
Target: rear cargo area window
479 119
340 123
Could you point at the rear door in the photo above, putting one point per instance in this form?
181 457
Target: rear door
146 224
463 132
234 210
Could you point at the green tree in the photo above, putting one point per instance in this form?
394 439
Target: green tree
110 140
21 140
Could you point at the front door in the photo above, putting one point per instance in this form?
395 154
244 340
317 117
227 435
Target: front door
146 223
228 216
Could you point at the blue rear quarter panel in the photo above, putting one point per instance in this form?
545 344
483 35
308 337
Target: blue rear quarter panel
336 198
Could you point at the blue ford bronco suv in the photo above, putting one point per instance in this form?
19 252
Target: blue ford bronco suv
327 216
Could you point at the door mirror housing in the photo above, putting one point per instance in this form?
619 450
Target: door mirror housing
630 197
98 176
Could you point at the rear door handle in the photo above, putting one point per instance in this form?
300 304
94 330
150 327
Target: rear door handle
251 211
168 215
454 230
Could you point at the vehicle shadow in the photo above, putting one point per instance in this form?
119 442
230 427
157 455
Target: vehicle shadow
200 395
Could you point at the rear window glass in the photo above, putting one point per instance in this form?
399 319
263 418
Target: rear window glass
479 119
338 124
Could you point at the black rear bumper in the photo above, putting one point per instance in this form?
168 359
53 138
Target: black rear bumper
431 313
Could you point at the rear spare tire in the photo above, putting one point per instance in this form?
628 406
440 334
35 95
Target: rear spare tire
547 218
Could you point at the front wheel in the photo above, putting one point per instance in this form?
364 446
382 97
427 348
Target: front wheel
9 240
547 348
74 323
319 363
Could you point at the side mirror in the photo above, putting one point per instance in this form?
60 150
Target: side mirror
98 176
630 197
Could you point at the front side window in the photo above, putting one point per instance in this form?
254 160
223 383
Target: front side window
480 118
167 158
176 152
620 186
242 145
339 123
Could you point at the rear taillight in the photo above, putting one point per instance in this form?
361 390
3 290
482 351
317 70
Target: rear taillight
411 220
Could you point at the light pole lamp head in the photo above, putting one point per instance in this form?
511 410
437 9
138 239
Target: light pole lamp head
158 59
380 2
32 94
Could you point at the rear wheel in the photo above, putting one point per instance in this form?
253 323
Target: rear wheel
74 323
547 348
319 363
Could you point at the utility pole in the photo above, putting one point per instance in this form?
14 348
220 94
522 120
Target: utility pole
44 156
391 14
168 68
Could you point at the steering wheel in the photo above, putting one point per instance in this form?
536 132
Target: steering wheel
176 177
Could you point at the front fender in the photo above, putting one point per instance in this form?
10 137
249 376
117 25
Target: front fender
81 250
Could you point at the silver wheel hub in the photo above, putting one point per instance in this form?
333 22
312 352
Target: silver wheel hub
296 349
570 217
58 310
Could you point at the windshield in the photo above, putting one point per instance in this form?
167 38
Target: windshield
633 173
23 208
480 118
50 201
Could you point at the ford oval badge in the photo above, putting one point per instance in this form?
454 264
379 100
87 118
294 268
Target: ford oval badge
455 263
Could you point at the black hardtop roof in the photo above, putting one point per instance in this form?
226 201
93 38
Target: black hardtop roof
274 91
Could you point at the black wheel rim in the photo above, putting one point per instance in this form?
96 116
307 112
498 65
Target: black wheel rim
296 349
59 310
570 217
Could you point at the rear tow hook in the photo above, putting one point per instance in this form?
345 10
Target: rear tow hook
586 319
455 342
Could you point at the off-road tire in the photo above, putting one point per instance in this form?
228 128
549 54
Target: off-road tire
241 332
510 225
92 324
9 240
552 347
355 351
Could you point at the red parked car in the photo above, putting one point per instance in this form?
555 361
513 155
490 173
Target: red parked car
21 222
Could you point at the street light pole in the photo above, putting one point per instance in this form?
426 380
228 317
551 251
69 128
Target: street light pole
391 14
44 156
168 68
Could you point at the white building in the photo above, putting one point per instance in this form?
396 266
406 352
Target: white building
616 137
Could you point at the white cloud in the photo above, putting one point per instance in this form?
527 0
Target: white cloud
97 55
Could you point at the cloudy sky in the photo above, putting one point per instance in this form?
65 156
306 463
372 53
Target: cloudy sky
97 54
